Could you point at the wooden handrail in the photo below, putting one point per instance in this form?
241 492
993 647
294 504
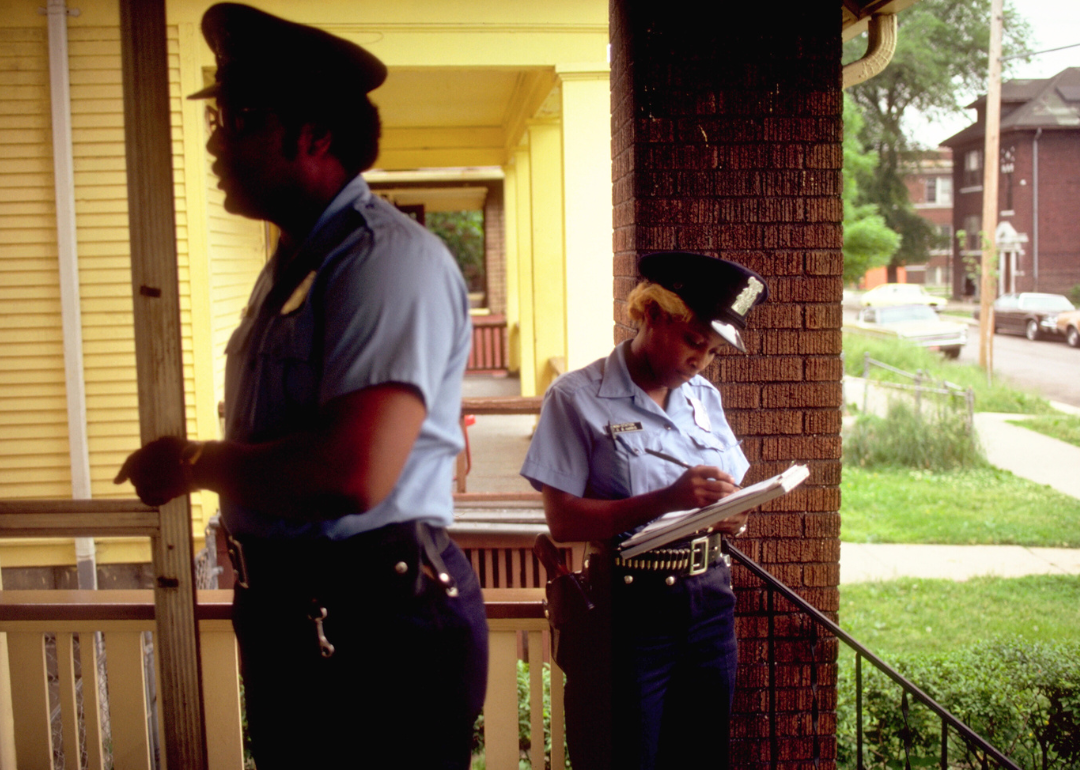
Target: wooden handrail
112 605
480 405
77 518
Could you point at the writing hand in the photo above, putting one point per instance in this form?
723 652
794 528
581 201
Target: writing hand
701 485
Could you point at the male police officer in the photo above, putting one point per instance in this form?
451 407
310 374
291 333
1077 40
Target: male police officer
361 626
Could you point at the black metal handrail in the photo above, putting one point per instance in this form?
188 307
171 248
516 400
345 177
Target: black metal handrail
774 586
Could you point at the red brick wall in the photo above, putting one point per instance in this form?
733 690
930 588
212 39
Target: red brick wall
495 249
726 139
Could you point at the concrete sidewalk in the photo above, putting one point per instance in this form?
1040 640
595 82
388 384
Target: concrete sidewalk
499 444
1028 454
862 562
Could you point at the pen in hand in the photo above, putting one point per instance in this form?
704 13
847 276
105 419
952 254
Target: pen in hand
677 461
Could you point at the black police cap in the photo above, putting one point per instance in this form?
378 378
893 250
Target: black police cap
262 59
720 293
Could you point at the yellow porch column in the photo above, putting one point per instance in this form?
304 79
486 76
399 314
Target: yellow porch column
586 124
548 257
522 236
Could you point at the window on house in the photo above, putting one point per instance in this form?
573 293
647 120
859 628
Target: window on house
944 190
939 190
973 168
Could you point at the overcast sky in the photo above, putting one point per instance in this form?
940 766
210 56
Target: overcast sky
1054 23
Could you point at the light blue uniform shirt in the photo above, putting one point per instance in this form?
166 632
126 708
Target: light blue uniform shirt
596 425
387 304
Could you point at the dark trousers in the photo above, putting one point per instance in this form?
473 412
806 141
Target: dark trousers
404 684
672 678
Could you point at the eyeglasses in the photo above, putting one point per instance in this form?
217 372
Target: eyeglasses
233 121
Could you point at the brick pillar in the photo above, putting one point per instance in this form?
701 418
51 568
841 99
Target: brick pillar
495 249
726 140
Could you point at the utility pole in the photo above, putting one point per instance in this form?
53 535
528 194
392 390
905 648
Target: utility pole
991 160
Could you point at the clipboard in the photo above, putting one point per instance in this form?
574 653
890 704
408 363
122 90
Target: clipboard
674 527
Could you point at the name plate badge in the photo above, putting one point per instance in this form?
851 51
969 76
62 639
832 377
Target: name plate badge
625 427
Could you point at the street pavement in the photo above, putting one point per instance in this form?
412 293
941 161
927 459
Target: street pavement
499 444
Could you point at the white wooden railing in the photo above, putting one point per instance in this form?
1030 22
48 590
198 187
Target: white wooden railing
123 617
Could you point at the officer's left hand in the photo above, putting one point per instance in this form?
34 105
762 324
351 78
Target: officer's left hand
157 471
734 525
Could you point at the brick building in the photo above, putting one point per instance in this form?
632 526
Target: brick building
929 182
1037 190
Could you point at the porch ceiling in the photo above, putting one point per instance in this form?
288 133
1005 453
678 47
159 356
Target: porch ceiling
445 117
456 116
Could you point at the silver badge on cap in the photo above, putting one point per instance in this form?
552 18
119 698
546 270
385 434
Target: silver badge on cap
746 297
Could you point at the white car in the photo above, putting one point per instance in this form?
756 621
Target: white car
899 294
918 323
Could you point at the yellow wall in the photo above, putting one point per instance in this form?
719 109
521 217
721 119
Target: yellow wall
34 459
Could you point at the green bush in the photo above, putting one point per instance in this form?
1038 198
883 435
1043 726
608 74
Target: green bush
1023 698
937 437
524 721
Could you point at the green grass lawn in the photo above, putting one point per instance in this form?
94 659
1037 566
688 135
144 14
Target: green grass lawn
1065 427
979 506
916 615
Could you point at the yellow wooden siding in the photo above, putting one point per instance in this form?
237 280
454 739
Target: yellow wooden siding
97 118
238 251
104 252
33 411
34 461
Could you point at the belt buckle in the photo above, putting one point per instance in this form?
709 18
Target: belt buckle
699 555
236 556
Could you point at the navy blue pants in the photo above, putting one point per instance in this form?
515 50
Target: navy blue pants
672 678
406 680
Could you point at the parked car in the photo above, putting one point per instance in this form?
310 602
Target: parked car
1032 314
918 323
1069 325
900 294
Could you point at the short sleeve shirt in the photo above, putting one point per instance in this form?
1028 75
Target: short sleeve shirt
596 425
386 303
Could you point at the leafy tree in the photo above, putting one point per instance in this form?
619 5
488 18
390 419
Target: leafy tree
941 60
463 234
868 241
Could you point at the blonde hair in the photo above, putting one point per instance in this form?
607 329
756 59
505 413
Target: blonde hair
648 293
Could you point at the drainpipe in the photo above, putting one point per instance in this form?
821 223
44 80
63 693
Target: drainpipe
879 51
1035 207
64 181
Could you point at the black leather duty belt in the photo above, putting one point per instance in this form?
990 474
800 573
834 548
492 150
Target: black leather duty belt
684 558
399 548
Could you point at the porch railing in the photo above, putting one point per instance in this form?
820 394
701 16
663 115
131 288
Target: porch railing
34 620
986 754
65 623
489 344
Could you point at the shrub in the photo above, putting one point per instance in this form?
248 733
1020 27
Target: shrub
524 720
1023 698
936 438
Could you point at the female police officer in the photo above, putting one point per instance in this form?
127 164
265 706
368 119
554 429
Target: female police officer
624 441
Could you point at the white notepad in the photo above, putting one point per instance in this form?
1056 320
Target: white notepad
676 526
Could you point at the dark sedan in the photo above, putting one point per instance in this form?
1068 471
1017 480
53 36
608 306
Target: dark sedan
1030 313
